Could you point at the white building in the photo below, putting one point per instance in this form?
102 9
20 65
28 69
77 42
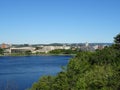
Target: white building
47 49
21 49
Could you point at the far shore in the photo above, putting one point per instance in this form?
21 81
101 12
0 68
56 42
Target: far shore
40 55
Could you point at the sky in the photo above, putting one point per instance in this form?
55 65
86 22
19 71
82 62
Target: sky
59 21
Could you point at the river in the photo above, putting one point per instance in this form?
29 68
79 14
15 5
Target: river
20 72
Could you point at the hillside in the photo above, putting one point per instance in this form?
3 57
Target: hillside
98 70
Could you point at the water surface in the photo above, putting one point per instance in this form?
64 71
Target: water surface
19 73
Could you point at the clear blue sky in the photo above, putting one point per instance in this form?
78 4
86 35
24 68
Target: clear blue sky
62 21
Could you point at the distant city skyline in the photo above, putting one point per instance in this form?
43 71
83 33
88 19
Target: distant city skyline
59 21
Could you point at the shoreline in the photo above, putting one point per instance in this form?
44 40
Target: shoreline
39 55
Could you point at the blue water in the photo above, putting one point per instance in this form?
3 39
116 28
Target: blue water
19 73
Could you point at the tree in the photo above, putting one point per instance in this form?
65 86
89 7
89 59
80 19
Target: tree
117 39
117 42
45 83
28 52
1 51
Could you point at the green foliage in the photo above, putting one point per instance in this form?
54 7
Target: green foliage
98 70
45 83
28 52
117 42
117 39
63 51
105 56
1 51
40 53
61 82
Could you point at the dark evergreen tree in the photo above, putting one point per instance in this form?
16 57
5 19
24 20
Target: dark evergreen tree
117 39
117 42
